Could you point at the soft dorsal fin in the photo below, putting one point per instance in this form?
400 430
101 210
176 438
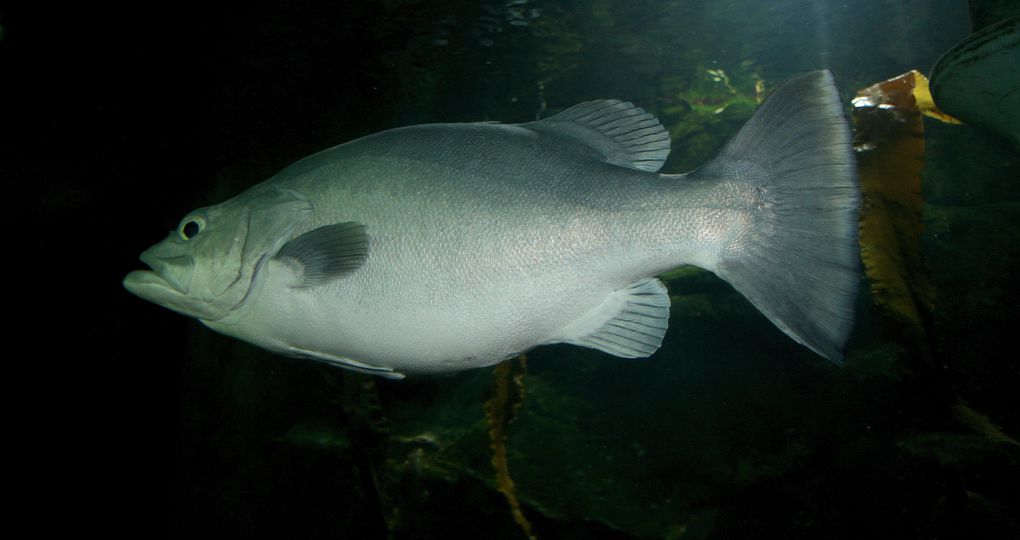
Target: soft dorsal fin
629 323
327 253
620 132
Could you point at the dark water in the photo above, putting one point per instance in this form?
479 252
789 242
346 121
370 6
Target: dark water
141 423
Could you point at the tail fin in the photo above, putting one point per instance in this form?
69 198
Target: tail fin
796 258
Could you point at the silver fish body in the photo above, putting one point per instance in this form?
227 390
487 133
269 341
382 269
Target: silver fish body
451 246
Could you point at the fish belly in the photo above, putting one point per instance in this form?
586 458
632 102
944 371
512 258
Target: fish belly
429 317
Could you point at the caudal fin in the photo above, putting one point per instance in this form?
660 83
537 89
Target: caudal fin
796 257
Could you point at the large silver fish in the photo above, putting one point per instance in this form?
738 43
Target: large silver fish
444 247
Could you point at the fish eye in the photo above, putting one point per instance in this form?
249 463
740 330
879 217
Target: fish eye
190 228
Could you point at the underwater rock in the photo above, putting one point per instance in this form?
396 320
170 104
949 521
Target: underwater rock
978 81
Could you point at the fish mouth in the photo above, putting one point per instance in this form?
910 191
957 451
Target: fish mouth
168 284
150 286
176 272
140 280
168 279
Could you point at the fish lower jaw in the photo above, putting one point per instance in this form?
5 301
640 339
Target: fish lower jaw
145 283
151 286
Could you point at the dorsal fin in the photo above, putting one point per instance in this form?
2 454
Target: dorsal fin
621 133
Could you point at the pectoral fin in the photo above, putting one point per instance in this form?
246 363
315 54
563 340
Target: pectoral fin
327 253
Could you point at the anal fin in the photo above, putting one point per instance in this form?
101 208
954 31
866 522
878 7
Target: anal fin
629 323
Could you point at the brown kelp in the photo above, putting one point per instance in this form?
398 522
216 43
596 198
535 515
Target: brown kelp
500 409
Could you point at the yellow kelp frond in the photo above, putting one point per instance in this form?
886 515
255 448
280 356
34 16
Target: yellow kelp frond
889 139
500 408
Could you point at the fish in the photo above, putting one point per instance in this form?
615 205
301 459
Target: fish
978 81
442 247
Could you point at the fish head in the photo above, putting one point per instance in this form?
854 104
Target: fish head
207 267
